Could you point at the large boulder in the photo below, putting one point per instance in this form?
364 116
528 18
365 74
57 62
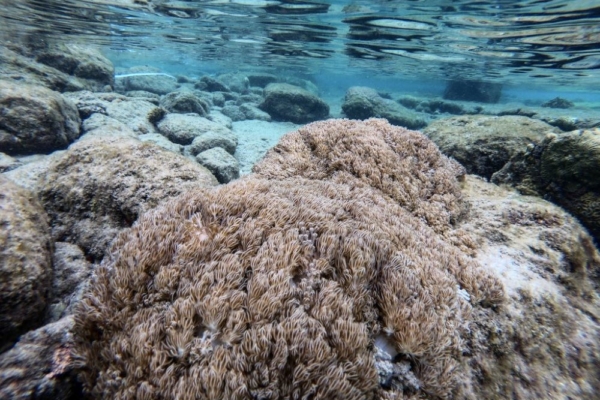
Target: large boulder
184 128
363 103
34 119
544 341
101 185
80 61
563 168
25 261
285 102
483 144
69 67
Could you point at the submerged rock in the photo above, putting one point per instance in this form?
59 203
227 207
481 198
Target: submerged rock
563 168
221 163
25 261
184 128
484 144
34 119
285 102
558 102
470 90
41 365
101 185
363 103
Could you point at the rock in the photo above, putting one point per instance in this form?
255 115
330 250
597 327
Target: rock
211 85
549 325
558 102
19 65
103 125
211 139
564 169
250 98
253 112
101 185
233 112
261 79
41 365
144 95
25 261
151 81
220 118
285 102
218 99
470 90
185 102
7 163
27 175
71 271
236 82
34 119
363 103
483 144
133 112
223 165
80 61
183 128
161 141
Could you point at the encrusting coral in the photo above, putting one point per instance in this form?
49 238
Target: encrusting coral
292 281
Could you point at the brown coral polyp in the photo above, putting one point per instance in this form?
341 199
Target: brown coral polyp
276 285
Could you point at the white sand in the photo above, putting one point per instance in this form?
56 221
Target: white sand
255 138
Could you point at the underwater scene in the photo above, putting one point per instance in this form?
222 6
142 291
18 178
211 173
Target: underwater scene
300 199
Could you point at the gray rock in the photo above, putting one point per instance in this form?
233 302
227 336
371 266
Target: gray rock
218 99
25 261
185 102
133 112
483 144
7 163
211 84
223 165
253 112
234 112
71 273
261 79
80 61
286 102
211 139
28 174
161 141
103 125
154 82
143 95
363 103
107 183
19 64
41 366
236 82
220 118
563 168
183 128
34 119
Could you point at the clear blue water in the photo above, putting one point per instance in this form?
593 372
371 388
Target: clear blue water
551 46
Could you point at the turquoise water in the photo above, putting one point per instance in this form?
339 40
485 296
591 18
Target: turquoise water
528 46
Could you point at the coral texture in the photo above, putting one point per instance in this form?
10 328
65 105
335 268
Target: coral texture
293 281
